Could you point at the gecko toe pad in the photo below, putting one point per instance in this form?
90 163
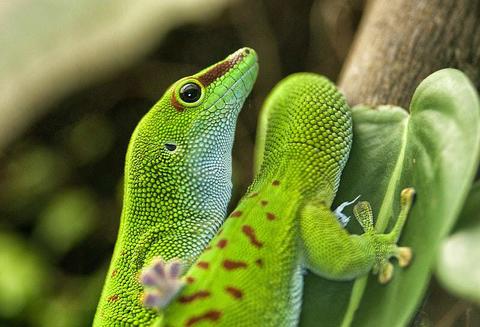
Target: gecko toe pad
404 256
161 281
385 273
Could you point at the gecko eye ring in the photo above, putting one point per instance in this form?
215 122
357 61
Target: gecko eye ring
189 92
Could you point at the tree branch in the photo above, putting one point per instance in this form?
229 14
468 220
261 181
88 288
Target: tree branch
400 42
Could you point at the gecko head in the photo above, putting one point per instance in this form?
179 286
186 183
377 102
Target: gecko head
187 137
196 117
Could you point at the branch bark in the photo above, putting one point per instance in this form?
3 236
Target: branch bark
400 42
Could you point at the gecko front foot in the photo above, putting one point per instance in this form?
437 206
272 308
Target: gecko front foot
161 280
384 268
386 244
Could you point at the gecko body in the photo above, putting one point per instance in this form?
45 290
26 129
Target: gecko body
177 180
251 272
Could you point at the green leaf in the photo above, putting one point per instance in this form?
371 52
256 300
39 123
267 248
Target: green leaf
470 215
458 266
435 149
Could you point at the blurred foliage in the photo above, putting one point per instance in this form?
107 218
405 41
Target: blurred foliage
50 47
458 269
61 173
67 218
24 275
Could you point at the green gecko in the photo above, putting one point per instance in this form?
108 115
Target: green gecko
251 272
177 180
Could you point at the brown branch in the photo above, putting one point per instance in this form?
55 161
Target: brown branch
400 42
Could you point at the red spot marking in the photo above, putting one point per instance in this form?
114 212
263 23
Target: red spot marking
259 262
222 243
114 272
113 298
236 213
190 280
231 265
250 233
235 292
195 296
276 183
271 216
175 103
212 315
202 264
252 195
264 203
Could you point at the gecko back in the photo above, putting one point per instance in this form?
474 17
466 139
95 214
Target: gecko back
306 129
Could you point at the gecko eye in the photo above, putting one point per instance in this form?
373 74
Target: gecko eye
170 147
190 92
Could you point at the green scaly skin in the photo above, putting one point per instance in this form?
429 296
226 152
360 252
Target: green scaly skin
175 199
251 273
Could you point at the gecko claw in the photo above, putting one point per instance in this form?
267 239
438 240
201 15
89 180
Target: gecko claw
341 217
161 281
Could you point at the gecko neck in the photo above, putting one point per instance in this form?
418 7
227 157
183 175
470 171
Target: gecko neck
140 213
192 199
155 211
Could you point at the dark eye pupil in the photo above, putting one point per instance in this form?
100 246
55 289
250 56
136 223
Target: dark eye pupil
170 146
190 92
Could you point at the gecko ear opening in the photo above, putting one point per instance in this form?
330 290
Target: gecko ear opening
170 147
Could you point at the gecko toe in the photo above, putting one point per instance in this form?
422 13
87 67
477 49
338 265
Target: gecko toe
162 282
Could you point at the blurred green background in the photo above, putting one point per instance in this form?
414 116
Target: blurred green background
76 77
